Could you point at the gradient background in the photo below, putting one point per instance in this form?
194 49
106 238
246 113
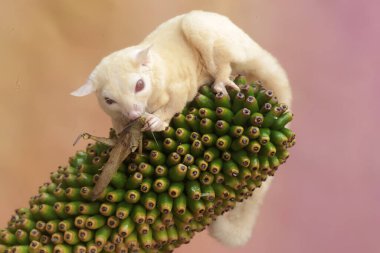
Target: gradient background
325 199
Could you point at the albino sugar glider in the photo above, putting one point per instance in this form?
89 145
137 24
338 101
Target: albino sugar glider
157 77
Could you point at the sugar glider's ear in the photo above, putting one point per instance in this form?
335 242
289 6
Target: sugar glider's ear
84 90
143 56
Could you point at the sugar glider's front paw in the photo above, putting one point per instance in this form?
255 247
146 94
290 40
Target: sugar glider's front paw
221 86
154 123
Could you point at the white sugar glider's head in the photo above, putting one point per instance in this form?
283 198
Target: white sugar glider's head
122 83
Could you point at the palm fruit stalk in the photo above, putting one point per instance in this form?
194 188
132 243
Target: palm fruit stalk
214 154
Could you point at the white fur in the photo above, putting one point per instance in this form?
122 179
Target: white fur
177 58
234 228
182 54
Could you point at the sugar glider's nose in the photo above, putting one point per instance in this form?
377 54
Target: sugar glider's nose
134 115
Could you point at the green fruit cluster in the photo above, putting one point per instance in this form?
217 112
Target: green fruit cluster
214 154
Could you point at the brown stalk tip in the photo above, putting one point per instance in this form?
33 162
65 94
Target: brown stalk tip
250 99
284 107
34 244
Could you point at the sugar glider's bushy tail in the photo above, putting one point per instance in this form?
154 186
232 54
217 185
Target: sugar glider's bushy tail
235 227
264 67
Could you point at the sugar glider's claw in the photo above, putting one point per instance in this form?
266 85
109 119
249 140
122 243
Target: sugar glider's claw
219 87
154 123
232 85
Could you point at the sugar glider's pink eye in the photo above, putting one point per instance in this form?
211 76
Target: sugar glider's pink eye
139 85
109 101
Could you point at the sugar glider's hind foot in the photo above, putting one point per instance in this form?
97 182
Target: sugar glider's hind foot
220 87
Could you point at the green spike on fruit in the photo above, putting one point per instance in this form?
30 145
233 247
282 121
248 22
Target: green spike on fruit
214 154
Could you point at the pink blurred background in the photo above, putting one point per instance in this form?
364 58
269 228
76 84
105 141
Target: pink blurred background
324 199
